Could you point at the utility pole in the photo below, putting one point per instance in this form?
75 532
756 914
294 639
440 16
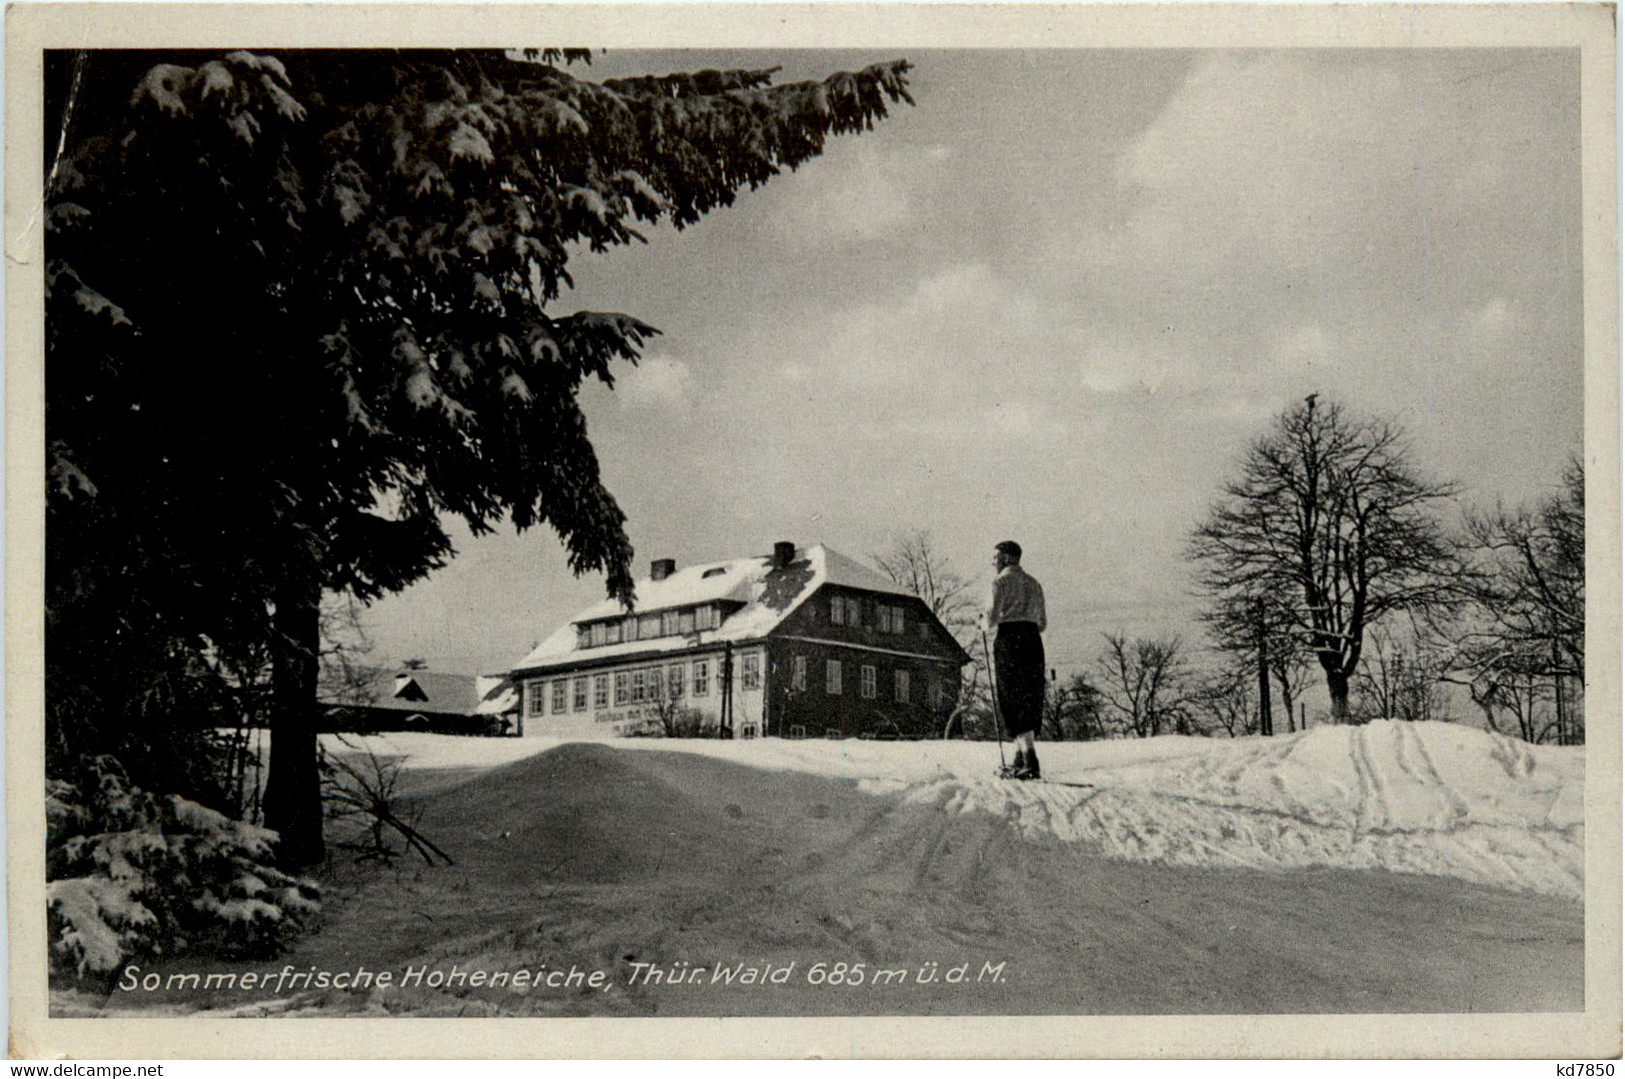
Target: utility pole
725 723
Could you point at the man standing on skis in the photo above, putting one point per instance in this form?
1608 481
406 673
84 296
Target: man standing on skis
1015 610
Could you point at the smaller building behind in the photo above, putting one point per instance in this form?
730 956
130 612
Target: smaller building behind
378 699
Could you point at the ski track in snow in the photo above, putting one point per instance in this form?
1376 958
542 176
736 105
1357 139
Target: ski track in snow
1429 798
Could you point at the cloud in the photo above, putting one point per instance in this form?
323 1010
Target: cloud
962 315
856 195
1372 171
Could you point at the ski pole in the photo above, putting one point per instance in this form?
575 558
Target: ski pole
993 688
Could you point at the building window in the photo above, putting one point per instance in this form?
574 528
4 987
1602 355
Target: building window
702 677
674 681
560 685
837 610
798 673
867 676
902 687
797 731
629 628
668 623
536 704
578 702
895 622
706 618
612 633
598 634
648 627
751 676
832 676
637 686
600 691
583 637
622 694
685 622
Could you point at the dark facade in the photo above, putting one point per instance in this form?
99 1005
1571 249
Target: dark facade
895 680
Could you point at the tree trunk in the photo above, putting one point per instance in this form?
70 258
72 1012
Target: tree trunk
293 791
1337 684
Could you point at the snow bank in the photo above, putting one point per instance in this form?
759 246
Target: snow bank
1416 798
1428 798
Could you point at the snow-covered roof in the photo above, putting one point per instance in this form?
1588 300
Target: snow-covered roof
438 691
497 694
768 595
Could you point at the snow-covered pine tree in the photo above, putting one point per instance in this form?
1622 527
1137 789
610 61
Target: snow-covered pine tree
130 875
299 308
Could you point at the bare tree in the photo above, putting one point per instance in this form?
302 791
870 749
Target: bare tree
668 714
1515 703
344 677
912 561
1224 698
1072 710
1522 640
1330 521
1400 677
1143 681
1258 632
1290 668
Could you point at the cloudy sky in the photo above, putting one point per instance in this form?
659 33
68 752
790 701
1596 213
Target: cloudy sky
1053 302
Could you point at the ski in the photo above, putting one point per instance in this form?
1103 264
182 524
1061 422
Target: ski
1009 773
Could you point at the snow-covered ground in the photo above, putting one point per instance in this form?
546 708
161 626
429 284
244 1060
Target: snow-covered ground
1428 798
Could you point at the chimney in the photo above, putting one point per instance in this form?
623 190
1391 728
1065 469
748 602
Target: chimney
661 568
784 553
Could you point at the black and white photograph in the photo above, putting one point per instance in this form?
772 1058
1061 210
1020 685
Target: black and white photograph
813 512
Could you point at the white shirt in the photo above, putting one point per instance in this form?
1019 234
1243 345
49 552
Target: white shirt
1014 597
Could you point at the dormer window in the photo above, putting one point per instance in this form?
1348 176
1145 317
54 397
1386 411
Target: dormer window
648 627
714 571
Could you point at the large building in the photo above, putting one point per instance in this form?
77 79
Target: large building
799 643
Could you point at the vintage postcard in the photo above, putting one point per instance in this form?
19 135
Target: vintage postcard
894 530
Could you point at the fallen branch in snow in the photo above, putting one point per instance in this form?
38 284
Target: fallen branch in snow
372 794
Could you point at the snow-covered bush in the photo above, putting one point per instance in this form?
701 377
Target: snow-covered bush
130 875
